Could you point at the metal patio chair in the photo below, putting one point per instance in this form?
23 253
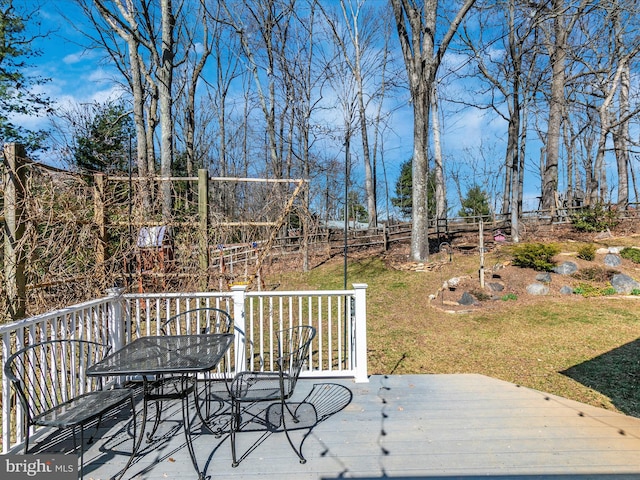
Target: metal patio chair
49 379
250 387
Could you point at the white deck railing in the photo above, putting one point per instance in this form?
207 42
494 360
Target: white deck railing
338 350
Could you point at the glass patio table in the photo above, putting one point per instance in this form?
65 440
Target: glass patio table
179 355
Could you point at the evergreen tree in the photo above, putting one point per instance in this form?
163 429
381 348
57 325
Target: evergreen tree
404 191
357 211
402 200
102 143
17 96
476 203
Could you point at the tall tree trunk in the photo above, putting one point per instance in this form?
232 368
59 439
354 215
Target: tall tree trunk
139 121
562 26
441 186
620 140
165 82
152 124
127 28
416 26
556 107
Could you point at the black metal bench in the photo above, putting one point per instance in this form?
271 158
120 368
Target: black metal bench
49 379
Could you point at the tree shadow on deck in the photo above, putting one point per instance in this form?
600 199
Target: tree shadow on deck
615 374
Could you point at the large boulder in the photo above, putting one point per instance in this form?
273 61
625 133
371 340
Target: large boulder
566 268
537 289
612 260
624 284
544 277
467 299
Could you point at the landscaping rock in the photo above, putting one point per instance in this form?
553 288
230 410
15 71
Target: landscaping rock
537 289
566 290
452 283
566 268
544 277
467 299
612 260
603 235
495 287
624 284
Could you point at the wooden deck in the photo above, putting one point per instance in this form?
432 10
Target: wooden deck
401 427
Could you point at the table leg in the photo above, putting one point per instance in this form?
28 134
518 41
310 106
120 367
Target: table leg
138 440
186 422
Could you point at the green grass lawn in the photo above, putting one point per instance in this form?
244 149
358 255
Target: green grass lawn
585 349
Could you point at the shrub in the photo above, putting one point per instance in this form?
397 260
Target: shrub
594 219
635 291
588 290
630 253
587 252
538 256
509 296
595 274
480 295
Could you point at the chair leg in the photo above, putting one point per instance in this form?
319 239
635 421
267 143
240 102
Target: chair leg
156 422
286 431
26 440
235 426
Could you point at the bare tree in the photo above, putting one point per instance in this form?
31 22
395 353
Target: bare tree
563 19
198 50
416 24
264 18
513 79
356 43
441 186
120 19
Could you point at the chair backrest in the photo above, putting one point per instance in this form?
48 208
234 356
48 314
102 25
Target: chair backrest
198 320
52 372
293 349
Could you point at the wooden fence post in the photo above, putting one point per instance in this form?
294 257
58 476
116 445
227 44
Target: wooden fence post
203 214
100 219
14 255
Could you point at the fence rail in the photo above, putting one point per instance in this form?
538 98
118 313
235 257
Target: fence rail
339 349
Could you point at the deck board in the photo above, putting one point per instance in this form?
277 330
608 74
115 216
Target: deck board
402 427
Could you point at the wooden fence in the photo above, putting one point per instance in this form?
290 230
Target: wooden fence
80 235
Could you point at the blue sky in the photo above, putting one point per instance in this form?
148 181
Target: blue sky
80 76
77 75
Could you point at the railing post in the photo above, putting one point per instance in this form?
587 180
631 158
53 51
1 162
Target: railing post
239 326
360 332
116 318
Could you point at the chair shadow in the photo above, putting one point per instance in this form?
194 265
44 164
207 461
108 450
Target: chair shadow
615 374
323 401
